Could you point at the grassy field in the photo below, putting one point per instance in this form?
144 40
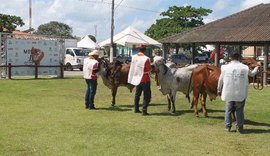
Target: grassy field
47 117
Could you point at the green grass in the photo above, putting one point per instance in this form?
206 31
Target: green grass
47 117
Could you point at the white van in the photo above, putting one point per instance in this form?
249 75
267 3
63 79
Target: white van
74 58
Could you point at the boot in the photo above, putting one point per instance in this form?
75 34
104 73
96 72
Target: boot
137 111
144 113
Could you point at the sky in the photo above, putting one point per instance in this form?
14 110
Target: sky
93 17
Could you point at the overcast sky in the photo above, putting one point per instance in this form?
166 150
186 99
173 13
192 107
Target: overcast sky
83 15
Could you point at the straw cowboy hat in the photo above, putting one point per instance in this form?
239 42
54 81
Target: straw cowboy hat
94 52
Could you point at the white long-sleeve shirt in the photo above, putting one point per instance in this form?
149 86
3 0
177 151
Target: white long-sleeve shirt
89 65
233 81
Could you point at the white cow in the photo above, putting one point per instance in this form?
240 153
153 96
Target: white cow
172 79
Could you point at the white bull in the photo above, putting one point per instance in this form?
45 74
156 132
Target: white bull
171 80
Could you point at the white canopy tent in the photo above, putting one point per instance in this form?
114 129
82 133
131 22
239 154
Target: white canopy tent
130 37
86 42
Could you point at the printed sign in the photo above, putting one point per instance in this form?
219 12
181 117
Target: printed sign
33 52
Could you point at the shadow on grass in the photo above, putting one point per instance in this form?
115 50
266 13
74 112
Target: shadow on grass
215 111
115 108
132 105
254 123
157 104
166 114
177 113
128 106
249 122
257 131
216 117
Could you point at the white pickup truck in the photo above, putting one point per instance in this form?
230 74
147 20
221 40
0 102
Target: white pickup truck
74 58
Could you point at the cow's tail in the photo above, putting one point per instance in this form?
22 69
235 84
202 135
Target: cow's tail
189 88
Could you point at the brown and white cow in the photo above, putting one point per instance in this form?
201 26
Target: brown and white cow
113 75
205 81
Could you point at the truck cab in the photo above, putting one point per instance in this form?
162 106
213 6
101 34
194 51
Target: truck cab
74 58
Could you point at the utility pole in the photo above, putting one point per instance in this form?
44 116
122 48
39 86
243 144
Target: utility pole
30 16
112 29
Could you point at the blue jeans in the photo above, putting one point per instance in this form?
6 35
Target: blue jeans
239 107
90 92
146 88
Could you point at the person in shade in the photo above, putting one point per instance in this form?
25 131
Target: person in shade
139 76
90 69
233 88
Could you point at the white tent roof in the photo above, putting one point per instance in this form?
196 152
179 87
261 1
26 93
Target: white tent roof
86 42
130 37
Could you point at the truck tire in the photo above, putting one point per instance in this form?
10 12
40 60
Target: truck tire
68 67
81 69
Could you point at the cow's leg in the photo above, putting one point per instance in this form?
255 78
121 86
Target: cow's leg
203 97
173 95
195 102
169 102
114 92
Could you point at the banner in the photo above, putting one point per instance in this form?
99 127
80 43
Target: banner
31 52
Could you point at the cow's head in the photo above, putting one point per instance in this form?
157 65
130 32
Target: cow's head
104 66
250 62
258 79
158 60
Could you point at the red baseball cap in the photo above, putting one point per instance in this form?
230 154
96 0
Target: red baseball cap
142 45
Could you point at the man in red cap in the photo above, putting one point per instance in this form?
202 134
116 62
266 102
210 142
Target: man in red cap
139 76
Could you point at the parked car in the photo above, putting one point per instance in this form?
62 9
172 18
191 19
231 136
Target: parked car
179 59
201 58
123 58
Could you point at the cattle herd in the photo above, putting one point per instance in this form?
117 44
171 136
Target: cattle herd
201 79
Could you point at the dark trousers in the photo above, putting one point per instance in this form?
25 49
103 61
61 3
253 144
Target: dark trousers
90 92
145 88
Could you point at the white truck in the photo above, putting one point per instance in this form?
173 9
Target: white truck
74 58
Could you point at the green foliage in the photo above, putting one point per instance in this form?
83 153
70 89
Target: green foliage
10 22
177 19
54 28
47 117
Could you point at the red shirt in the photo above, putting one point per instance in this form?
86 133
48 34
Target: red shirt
94 74
147 69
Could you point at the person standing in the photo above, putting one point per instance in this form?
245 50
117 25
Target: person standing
139 76
233 88
90 69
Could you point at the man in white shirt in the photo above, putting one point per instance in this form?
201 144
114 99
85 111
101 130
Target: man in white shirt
90 69
233 88
139 76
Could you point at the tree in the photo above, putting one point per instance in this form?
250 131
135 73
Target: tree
9 23
54 28
177 19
